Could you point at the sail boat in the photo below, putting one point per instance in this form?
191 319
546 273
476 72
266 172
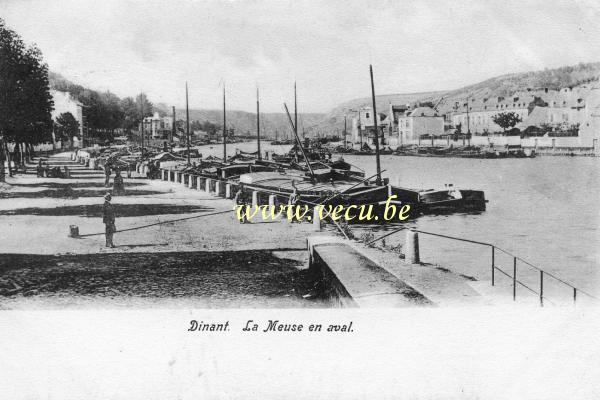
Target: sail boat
341 186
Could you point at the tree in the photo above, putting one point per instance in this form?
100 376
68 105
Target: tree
66 126
25 100
506 120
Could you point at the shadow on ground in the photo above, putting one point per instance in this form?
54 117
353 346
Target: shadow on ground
68 193
224 279
121 210
60 185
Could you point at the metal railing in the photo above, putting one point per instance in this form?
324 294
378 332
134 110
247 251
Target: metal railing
494 267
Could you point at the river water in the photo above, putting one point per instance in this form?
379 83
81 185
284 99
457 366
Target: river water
545 210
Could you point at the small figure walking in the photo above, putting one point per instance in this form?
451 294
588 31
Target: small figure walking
108 217
118 185
294 200
107 175
240 201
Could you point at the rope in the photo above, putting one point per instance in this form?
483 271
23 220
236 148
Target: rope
161 223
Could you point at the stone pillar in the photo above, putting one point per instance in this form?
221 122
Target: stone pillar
198 183
272 200
207 183
191 181
175 176
218 188
254 198
228 191
316 219
411 248
163 174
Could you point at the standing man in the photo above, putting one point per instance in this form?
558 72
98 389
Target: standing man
118 185
107 175
108 217
240 201
294 200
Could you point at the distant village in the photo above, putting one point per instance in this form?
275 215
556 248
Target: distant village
560 117
567 117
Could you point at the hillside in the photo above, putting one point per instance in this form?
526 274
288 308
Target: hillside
498 86
244 122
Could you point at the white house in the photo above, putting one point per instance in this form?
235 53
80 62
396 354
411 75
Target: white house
159 127
64 102
413 124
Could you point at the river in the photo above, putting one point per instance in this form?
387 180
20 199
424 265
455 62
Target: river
545 210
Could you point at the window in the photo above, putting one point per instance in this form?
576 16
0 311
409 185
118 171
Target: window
368 115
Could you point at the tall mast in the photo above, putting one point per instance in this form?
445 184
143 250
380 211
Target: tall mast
295 110
187 123
295 130
142 130
224 128
172 127
359 129
468 123
296 123
378 181
258 125
345 123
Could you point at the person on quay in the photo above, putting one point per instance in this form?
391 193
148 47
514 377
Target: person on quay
107 175
108 217
118 185
240 201
294 199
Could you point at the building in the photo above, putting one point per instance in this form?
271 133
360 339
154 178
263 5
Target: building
158 127
419 122
407 125
534 107
363 125
63 103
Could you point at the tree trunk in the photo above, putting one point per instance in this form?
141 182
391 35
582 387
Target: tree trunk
2 173
22 151
9 161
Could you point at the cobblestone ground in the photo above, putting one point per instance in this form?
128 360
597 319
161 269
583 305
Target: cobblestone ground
206 279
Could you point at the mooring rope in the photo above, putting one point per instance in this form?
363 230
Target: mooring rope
159 223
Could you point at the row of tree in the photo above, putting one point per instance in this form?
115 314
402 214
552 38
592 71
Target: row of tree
25 100
105 112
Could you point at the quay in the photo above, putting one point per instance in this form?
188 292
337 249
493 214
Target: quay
179 242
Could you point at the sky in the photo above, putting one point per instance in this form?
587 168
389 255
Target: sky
326 46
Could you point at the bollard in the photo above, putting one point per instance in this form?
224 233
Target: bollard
228 191
218 188
207 183
255 199
316 219
73 231
411 248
